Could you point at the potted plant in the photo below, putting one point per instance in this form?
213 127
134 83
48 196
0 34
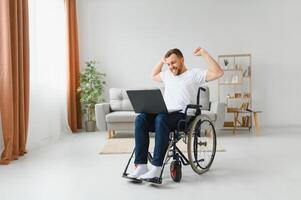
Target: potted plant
91 90
226 62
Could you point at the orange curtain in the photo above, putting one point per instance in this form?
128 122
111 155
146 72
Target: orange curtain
14 77
74 109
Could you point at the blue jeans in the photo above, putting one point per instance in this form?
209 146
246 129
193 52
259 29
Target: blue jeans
162 124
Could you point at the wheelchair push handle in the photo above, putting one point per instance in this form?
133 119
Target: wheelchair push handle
202 88
198 96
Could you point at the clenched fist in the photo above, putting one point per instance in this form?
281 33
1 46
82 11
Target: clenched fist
162 60
199 51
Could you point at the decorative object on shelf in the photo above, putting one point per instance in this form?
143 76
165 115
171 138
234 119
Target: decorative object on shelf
249 71
246 95
91 91
238 66
246 121
237 95
245 73
244 106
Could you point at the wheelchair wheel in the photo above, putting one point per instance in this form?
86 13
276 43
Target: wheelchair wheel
176 171
201 144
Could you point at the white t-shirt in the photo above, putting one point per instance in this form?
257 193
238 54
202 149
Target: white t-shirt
182 89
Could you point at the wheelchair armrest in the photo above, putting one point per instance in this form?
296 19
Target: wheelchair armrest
182 124
192 106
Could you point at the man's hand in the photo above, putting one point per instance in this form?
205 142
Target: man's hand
162 60
199 51
214 70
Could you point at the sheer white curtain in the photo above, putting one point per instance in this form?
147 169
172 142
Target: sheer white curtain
48 71
1 138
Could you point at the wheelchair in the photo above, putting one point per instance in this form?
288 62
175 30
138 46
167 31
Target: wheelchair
198 133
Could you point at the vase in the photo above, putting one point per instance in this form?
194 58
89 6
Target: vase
90 126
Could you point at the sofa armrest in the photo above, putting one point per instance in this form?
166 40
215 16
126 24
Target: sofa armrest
101 110
219 109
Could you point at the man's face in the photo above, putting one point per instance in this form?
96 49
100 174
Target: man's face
175 64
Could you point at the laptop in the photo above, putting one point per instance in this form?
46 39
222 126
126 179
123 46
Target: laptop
148 101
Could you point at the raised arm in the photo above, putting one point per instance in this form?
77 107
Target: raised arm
156 71
214 70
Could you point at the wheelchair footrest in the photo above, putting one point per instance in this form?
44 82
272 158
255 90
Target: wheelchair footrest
136 180
155 180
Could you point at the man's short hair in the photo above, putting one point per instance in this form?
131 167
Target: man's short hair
175 51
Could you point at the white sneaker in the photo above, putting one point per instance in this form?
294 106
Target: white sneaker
140 169
154 172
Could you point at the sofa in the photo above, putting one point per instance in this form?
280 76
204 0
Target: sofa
118 115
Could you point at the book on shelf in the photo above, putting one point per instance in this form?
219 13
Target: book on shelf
245 121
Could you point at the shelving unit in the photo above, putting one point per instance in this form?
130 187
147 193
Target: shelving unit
235 89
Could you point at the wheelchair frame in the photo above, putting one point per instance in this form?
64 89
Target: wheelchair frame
174 152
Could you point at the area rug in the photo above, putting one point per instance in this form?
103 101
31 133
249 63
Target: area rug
126 145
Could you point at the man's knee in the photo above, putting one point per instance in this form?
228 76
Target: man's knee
141 120
161 120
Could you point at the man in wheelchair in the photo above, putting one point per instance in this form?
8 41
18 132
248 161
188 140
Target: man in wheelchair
181 87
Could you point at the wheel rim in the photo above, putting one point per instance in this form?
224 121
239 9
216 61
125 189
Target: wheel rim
201 145
172 170
204 145
173 173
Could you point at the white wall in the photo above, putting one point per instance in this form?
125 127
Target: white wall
129 37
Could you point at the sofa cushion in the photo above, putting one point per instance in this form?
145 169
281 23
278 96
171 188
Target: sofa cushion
121 116
211 115
119 100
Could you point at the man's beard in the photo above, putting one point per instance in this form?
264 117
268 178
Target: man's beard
178 70
175 72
